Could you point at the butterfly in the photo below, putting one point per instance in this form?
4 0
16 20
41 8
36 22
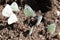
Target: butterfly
28 11
51 28
12 19
7 11
14 7
39 20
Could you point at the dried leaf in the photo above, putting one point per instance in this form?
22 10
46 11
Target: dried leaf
28 11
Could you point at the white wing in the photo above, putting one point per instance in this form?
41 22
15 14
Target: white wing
28 11
52 28
13 18
39 20
14 7
7 11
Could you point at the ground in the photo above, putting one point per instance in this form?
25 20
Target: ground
20 29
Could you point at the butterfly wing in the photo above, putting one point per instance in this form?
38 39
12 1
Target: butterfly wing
14 7
7 11
28 11
13 18
51 28
39 20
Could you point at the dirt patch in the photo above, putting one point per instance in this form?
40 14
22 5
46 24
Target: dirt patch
20 30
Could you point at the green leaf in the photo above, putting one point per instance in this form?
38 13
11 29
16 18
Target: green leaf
52 28
28 11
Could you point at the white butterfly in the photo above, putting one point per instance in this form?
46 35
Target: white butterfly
28 11
52 28
14 7
7 11
39 20
12 19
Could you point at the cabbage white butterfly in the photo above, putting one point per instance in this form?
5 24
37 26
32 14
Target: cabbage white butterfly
28 11
39 20
14 7
12 19
7 11
51 28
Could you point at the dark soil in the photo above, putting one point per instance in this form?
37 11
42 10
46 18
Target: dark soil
20 30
